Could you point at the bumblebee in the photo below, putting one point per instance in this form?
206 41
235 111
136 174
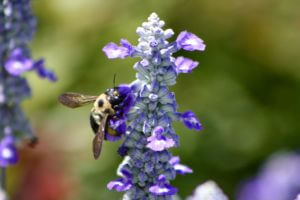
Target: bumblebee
106 107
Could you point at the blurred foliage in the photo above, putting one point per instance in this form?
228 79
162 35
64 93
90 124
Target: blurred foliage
246 91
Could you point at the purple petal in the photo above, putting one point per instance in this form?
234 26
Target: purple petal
8 152
123 151
43 72
179 168
190 42
119 185
191 121
112 50
116 130
185 65
298 197
160 144
182 169
174 160
17 63
124 89
158 130
164 189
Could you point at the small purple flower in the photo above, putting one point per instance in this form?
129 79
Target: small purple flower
8 151
208 191
191 121
190 42
179 168
121 184
158 142
18 63
185 65
162 188
113 51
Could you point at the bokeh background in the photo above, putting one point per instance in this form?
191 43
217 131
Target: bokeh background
246 91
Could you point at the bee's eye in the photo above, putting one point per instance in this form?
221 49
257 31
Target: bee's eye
100 103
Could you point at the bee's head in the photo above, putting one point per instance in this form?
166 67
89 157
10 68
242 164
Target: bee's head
114 96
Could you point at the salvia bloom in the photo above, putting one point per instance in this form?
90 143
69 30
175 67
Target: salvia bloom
17 27
208 191
148 166
278 180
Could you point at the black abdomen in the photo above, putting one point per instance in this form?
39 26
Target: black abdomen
93 124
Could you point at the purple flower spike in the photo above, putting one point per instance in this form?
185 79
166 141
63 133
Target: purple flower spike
18 63
121 184
158 142
190 42
191 121
8 151
162 188
179 168
185 65
113 51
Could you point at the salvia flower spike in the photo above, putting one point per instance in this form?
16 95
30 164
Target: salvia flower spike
17 27
148 166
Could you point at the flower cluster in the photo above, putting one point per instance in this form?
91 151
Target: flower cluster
17 26
208 191
148 166
279 179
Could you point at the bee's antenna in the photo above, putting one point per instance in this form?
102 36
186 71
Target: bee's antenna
114 81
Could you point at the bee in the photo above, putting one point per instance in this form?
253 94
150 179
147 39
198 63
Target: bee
104 108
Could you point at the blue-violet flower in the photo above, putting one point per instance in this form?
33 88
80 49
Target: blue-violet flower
17 27
148 166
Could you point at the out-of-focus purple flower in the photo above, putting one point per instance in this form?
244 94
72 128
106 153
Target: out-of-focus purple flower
17 63
158 142
190 42
162 188
179 168
278 180
8 151
43 72
185 65
113 51
298 197
191 121
208 191
121 184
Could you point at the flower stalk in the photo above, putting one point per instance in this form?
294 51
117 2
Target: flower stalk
17 27
148 165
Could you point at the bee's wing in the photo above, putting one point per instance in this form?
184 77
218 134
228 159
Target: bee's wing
74 100
99 137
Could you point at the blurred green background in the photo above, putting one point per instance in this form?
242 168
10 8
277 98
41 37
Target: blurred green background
246 91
